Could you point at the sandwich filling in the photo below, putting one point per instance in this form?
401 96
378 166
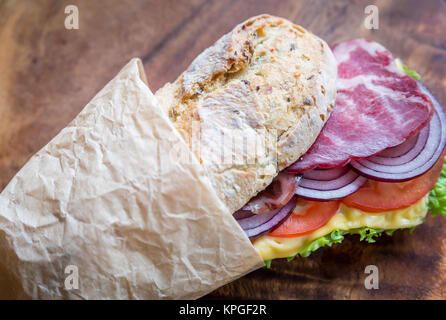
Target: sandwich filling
346 220
349 220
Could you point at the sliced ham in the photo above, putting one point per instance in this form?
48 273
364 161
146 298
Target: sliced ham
275 196
377 107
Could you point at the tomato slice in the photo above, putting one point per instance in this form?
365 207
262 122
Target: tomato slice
306 217
377 196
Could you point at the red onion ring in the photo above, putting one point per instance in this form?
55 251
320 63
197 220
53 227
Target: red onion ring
257 225
329 184
326 174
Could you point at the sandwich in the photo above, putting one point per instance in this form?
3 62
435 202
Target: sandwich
305 143
289 145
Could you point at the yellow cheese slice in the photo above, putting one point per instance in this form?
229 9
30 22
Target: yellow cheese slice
345 218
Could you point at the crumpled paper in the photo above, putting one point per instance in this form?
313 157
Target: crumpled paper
104 211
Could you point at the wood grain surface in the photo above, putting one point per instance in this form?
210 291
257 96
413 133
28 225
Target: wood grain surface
48 73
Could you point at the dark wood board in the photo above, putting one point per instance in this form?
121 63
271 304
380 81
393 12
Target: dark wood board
48 73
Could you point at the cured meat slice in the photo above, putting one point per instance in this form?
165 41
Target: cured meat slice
275 196
377 107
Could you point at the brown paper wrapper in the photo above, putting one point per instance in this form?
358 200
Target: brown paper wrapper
104 211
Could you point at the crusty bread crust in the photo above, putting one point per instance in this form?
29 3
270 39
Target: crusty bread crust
268 82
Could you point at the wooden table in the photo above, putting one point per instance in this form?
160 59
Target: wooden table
48 73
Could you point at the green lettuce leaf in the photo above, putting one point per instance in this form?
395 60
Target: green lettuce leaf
268 264
400 65
337 236
437 196
368 234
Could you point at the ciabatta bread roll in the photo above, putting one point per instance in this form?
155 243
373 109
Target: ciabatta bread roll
253 103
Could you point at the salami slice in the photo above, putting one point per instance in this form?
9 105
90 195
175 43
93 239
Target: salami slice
377 107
